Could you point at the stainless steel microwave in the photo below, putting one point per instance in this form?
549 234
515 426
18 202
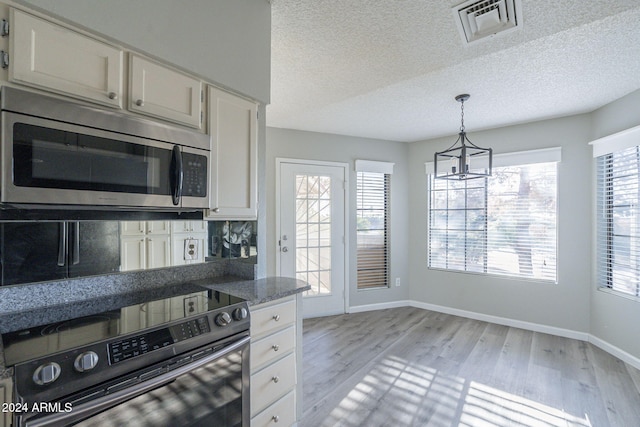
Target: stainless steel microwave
60 154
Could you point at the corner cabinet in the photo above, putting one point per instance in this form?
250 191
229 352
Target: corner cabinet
52 57
234 136
273 363
164 93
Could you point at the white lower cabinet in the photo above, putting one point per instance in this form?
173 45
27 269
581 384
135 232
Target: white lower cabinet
281 413
5 397
273 363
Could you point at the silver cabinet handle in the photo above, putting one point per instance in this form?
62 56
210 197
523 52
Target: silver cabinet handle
139 103
275 379
113 95
275 347
215 210
275 418
276 317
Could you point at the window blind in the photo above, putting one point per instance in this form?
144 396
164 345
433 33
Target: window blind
618 221
504 224
372 229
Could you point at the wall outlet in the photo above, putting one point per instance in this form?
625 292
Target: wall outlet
397 281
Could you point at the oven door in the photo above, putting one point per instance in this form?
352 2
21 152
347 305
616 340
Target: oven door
57 163
210 390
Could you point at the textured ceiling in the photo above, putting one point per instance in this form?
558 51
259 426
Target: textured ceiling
391 69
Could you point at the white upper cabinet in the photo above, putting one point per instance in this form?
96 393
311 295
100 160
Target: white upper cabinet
162 92
55 58
234 137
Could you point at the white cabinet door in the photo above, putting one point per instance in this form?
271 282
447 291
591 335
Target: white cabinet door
158 227
165 93
234 130
133 253
158 251
55 58
132 228
189 226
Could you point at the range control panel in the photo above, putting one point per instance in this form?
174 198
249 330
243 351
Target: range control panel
144 343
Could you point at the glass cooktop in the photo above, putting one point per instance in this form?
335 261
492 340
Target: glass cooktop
140 311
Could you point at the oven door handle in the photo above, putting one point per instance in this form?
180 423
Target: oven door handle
100 404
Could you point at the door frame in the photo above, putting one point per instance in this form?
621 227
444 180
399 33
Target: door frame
347 229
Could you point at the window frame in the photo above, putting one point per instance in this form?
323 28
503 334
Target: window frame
606 248
516 159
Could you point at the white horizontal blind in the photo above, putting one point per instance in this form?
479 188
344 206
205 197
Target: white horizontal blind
618 221
372 229
504 224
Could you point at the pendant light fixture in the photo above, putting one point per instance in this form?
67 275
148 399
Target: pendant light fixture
463 160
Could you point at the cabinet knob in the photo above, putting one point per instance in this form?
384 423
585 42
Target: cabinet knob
215 210
139 103
113 95
276 317
275 347
275 418
275 379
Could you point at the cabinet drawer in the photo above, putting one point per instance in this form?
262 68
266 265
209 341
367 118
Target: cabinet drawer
281 413
272 318
273 382
272 347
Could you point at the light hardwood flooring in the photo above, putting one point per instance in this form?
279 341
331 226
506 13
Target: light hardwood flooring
413 367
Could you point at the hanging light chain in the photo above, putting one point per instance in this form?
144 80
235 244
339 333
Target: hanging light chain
462 116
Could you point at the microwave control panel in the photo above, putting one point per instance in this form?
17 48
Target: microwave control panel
194 182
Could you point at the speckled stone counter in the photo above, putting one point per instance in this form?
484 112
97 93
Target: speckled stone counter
27 306
261 290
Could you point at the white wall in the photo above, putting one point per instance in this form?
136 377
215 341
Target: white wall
564 305
226 42
283 143
615 319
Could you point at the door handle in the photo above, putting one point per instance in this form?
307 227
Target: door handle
62 244
285 249
176 175
76 244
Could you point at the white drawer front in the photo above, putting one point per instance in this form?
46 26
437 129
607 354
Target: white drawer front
282 413
271 383
272 347
272 318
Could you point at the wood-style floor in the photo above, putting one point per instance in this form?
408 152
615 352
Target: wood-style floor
413 367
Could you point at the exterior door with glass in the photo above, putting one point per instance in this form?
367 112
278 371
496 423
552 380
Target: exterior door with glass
312 233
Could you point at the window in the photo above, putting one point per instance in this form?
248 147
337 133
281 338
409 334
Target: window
372 225
504 224
618 221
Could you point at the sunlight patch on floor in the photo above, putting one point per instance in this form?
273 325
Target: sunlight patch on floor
398 393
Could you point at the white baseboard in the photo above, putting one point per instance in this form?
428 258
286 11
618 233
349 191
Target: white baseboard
530 326
380 306
615 351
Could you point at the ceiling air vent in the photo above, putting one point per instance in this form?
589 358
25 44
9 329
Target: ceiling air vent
479 19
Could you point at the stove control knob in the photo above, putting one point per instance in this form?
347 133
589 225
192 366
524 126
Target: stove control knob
86 361
223 319
240 313
46 373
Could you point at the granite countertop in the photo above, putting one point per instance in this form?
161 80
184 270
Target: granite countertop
260 290
253 291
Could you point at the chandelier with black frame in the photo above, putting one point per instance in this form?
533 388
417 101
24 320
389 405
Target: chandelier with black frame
459 156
